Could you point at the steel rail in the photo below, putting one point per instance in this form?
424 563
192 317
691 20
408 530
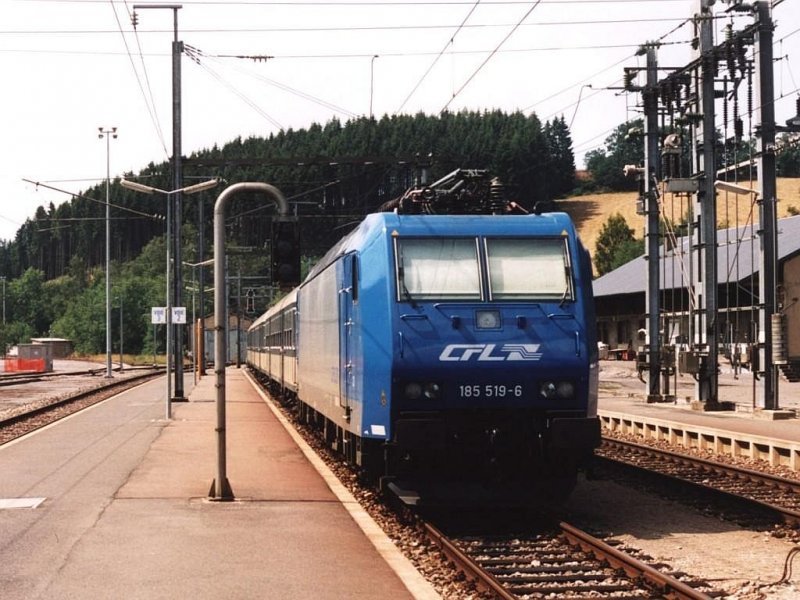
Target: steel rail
633 568
466 564
732 471
669 586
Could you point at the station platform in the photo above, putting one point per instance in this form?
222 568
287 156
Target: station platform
622 393
117 507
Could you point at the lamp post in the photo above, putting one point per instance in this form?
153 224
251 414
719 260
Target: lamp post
108 134
220 488
192 189
371 81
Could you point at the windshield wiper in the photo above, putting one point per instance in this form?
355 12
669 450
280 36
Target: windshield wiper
401 274
568 277
564 297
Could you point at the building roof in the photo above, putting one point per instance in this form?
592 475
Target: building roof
737 260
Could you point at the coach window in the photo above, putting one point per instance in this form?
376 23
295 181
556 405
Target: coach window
528 269
437 269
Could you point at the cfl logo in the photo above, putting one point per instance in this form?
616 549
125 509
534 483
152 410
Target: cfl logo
489 352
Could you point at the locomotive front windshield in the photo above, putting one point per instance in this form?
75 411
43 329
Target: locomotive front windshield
438 268
508 269
528 269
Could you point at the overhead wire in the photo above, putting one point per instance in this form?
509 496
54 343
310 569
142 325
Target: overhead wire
152 103
347 28
283 86
438 56
470 3
261 57
582 146
153 117
95 200
491 55
196 55
367 2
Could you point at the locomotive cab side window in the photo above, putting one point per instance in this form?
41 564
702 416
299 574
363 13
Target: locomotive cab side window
529 269
437 269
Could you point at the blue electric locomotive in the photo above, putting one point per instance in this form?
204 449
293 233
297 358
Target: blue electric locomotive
456 349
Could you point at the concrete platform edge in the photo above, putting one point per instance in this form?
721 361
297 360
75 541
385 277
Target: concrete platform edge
416 584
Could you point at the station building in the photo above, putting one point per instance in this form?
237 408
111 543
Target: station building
620 294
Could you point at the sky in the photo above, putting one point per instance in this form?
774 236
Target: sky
72 67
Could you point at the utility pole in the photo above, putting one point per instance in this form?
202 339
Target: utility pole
690 93
767 213
705 210
177 180
651 176
174 237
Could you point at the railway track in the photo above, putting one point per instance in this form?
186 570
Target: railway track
562 562
565 563
25 377
767 491
40 414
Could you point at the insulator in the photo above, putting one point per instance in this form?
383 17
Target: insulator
671 157
738 128
797 105
750 92
725 102
670 166
629 76
741 55
730 57
779 352
497 199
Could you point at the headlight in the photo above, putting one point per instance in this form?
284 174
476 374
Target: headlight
419 391
557 389
565 389
548 390
432 391
413 391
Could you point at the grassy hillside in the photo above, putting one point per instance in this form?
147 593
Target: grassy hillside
591 212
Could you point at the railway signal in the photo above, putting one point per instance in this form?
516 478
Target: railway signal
286 253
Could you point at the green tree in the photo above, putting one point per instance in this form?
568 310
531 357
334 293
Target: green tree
14 332
27 301
562 159
625 146
84 321
616 245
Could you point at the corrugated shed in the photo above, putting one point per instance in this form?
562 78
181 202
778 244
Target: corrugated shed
737 259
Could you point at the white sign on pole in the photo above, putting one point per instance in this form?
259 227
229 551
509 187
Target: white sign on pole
179 315
158 315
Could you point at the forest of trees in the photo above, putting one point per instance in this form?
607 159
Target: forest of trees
332 174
